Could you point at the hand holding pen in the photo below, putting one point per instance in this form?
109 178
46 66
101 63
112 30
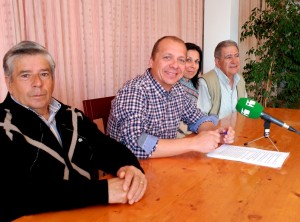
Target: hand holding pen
227 135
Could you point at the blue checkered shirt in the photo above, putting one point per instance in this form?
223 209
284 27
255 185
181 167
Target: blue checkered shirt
143 112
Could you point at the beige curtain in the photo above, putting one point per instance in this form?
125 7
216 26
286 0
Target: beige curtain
245 10
97 44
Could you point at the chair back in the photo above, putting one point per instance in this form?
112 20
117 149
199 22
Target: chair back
98 110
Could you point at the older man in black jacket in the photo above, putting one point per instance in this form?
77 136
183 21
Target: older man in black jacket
51 152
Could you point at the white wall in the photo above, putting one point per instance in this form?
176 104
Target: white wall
220 23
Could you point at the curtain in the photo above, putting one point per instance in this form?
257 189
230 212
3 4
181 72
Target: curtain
97 44
245 10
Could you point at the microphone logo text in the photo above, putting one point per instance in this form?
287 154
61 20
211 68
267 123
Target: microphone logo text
245 112
250 103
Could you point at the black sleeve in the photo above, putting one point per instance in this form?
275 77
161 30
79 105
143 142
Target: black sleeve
109 155
21 194
27 197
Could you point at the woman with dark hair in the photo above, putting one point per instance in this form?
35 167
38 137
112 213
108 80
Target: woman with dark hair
193 68
189 81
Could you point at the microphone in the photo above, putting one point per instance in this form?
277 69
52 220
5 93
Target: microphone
254 110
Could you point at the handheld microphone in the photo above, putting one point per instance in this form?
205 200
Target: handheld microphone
254 110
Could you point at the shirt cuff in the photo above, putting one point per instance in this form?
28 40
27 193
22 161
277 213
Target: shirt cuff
147 142
212 118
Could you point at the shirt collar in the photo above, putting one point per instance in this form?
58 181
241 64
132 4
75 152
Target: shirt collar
223 78
54 106
158 88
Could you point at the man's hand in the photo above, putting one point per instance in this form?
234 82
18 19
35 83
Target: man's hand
208 140
116 193
228 135
130 186
205 141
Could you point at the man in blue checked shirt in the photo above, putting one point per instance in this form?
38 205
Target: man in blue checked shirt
146 112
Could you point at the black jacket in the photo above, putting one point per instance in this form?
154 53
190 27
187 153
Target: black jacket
38 174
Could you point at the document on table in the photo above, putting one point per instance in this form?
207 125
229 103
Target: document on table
251 155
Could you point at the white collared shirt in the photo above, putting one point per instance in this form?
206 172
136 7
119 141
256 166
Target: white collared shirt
229 96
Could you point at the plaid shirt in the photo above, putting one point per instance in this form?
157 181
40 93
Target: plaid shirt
143 112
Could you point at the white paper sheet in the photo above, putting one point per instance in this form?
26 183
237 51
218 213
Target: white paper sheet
251 155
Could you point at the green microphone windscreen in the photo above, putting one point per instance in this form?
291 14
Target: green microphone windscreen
249 108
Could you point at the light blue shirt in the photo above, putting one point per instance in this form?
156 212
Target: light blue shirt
229 96
189 88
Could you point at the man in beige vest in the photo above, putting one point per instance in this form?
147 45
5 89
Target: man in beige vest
220 88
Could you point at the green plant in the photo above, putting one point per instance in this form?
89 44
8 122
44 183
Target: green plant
273 76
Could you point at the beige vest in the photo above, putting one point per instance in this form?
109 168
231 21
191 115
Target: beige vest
214 90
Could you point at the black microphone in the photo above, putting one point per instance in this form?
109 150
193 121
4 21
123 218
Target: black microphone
254 110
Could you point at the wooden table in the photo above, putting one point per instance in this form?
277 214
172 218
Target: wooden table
193 187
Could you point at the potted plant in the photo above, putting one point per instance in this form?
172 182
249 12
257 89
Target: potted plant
272 71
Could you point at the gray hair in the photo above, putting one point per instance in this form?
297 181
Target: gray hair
25 48
223 44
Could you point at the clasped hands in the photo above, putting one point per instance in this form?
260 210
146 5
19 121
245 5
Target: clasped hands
208 140
128 187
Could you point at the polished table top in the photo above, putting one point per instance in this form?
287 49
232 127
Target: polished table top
193 187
